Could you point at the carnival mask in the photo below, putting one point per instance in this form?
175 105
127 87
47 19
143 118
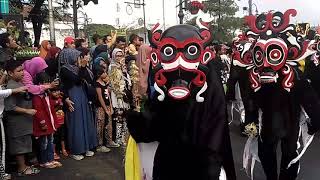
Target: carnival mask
278 48
242 47
315 58
179 58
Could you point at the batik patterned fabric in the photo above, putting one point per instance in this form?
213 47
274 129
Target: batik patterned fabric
100 119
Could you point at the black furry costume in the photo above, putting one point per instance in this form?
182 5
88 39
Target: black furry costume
194 137
190 124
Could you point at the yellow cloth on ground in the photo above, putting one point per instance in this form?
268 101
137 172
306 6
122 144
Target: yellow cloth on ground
132 161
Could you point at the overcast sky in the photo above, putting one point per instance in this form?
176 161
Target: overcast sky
106 11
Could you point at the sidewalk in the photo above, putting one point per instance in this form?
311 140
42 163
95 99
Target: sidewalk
102 166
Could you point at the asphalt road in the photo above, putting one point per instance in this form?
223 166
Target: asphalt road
110 166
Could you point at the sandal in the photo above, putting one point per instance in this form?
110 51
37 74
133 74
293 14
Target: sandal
56 156
29 171
48 166
65 153
57 163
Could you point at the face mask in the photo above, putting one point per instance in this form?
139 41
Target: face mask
180 61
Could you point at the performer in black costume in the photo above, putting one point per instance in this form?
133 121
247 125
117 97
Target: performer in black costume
241 58
188 115
280 90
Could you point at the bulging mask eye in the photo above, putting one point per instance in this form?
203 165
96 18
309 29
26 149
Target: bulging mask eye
168 53
275 54
192 51
258 56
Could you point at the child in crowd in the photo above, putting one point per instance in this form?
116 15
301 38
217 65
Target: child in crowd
19 120
4 94
103 110
59 136
134 44
44 125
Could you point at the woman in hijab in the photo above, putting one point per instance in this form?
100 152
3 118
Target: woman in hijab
101 60
99 49
143 62
75 75
30 69
120 93
52 62
44 49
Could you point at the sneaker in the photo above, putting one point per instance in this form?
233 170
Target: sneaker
103 149
7 176
113 145
89 153
77 157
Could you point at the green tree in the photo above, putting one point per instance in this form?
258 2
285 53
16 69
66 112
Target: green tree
226 23
39 13
101 29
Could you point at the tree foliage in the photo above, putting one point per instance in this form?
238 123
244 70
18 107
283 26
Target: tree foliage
101 29
40 13
226 23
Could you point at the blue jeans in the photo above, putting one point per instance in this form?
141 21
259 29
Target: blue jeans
46 153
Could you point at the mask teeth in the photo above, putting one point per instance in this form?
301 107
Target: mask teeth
202 90
276 78
160 91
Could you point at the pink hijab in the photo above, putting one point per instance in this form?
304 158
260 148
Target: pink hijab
35 66
143 62
31 69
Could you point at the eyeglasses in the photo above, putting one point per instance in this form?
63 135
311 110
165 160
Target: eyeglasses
119 55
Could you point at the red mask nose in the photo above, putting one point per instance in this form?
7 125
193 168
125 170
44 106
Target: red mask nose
265 63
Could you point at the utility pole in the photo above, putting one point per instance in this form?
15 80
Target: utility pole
144 21
250 7
219 15
144 17
75 18
180 14
51 22
163 14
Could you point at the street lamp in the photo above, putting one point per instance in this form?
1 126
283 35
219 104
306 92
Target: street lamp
250 3
180 14
86 21
257 12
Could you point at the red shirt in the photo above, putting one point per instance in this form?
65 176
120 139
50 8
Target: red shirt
45 116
